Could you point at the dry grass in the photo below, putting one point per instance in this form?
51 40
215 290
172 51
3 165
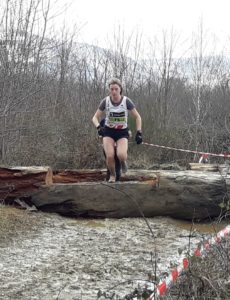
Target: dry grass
14 221
207 278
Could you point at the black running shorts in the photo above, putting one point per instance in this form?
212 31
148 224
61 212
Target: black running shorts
116 134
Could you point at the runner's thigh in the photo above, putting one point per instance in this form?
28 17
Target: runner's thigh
108 144
122 147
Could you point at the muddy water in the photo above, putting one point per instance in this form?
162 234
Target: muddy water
73 259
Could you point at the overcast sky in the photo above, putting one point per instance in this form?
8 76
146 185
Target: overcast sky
100 17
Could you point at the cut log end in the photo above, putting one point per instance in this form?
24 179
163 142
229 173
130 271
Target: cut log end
49 177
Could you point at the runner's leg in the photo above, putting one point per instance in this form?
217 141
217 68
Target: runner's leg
117 166
108 144
122 149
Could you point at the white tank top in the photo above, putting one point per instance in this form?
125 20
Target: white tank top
116 116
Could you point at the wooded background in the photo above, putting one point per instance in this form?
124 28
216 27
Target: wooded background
51 84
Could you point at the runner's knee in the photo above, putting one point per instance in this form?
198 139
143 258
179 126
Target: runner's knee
110 156
122 156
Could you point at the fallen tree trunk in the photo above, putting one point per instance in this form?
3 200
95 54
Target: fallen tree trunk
23 181
180 194
222 168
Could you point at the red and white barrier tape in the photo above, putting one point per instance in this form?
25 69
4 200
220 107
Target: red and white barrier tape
205 154
164 285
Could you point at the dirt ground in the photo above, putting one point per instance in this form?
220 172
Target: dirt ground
47 256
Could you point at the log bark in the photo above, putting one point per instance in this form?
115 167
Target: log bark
18 181
84 193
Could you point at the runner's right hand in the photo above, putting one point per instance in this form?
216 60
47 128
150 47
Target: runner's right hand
100 130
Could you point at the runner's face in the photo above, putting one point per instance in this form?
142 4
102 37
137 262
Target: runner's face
115 91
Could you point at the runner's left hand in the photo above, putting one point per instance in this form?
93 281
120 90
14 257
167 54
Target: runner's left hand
138 137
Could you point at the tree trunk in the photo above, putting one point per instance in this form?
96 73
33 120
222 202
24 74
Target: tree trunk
85 193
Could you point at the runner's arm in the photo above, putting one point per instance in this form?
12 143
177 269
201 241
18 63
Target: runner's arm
97 117
137 116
